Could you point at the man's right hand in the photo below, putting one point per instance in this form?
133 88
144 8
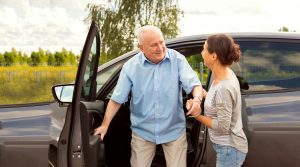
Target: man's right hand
101 131
111 110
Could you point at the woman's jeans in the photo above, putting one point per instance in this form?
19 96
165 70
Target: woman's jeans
228 156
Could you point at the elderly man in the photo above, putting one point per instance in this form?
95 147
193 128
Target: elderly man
155 77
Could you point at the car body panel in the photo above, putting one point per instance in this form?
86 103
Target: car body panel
273 128
24 130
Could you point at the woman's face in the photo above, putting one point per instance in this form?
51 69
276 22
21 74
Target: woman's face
208 58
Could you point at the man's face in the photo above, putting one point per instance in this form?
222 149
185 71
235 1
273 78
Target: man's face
153 46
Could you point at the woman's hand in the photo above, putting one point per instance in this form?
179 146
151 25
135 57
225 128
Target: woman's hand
194 107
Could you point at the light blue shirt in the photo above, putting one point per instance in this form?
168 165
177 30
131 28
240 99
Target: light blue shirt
156 95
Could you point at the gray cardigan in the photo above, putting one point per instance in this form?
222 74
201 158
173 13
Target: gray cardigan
227 105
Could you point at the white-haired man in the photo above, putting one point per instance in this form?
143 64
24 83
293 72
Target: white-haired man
155 77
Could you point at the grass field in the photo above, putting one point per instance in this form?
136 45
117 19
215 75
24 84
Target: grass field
26 84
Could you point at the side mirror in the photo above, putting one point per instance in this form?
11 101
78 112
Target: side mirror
63 94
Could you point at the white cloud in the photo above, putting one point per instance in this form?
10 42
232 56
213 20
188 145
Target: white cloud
28 25
239 16
53 24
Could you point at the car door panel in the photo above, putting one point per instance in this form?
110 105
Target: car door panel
271 119
70 151
63 142
91 115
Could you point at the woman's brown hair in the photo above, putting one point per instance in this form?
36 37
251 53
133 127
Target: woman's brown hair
224 46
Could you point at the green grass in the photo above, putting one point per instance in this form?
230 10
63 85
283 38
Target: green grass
26 84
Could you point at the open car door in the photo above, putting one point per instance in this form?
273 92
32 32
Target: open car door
77 146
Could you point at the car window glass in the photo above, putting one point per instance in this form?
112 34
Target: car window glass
89 71
104 75
269 66
193 56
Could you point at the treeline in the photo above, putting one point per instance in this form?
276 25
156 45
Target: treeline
39 57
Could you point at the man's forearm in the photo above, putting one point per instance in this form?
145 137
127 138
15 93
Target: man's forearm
111 110
197 92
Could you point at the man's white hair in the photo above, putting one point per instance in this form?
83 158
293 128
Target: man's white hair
140 32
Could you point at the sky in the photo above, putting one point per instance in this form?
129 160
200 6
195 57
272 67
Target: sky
28 25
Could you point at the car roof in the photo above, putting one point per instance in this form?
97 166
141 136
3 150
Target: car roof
203 37
239 35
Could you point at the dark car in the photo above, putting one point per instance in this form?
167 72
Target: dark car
269 75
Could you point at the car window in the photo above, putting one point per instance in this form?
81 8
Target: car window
193 56
269 66
104 75
88 74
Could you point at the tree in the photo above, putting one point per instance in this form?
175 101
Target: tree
43 56
9 59
71 58
119 21
59 58
2 60
285 29
22 57
12 57
51 60
35 58
17 56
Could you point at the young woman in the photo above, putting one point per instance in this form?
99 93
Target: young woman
223 102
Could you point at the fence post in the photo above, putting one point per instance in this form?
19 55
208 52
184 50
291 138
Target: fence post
201 72
10 76
60 77
37 77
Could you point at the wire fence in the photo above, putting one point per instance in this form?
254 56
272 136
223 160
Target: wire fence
37 76
4 64
30 86
201 70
